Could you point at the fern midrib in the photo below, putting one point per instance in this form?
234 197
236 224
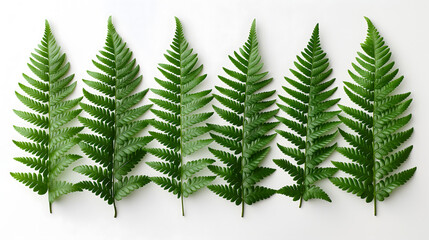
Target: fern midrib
114 142
49 124
307 144
243 143
181 125
374 177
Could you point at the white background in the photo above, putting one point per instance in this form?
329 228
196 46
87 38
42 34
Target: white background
215 29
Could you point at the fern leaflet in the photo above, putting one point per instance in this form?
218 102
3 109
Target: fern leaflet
178 121
246 135
376 126
114 145
313 126
47 95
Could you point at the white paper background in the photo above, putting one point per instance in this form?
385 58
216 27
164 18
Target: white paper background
215 29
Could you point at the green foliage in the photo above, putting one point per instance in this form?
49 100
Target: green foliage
47 94
377 125
313 126
178 122
115 122
246 136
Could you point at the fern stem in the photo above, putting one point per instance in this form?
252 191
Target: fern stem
183 207
300 202
50 207
242 209
114 208
375 207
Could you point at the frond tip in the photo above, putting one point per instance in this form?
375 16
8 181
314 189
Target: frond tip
178 121
377 125
247 135
47 95
115 122
311 121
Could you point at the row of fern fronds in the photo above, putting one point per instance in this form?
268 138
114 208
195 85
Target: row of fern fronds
306 114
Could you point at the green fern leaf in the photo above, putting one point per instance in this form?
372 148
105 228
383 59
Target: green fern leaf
49 143
310 122
114 146
377 126
33 180
178 119
128 185
246 136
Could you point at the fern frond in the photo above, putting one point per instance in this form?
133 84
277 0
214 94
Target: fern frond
246 136
178 122
114 144
312 125
377 126
47 95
